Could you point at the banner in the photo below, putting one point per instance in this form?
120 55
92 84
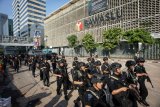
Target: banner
95 6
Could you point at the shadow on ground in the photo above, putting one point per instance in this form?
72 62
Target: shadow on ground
53 101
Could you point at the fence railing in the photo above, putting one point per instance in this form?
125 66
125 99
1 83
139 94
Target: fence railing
13 39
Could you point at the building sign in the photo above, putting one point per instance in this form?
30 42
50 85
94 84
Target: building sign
102 18
79 26
95 6
37 39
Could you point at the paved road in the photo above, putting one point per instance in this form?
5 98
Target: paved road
32 88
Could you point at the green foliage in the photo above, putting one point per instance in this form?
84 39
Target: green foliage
89 43
157 41
111 38
138 35
72 41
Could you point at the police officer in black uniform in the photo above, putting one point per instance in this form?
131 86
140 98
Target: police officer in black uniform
54 62
16 64
131 79
40 62
33 65
141 74
75 63
90 63
75 66
95 96
119 88
45 67
80 78
96 67
105 67
62 78
130 74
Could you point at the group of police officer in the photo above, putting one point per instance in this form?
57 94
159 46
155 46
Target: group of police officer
107 85
98 84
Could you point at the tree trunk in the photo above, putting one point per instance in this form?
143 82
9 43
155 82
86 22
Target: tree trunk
109 54
90 54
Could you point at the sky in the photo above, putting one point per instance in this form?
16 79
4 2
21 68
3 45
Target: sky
51 5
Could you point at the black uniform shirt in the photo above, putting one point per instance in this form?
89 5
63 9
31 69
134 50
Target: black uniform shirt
131 77
75 64
93 98
140 69
61 71
114 83
46 65
53 60
105 67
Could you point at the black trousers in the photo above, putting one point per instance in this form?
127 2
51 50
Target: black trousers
143 90
54 66
45 78
16 68
29 67
33 71
41 75
60 82
80 97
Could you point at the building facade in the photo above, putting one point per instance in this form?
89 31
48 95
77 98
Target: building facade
3 25
27 13
94 16
10 27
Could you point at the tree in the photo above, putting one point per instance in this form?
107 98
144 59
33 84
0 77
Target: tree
137 35
89 43
111 38
73 42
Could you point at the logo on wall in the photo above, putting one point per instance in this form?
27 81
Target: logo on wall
79 26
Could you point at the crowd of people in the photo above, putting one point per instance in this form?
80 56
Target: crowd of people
98 84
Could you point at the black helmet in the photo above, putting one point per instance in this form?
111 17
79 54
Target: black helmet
81 64
140 59
97 63
97 78
115 65
75 58
105 58
130 63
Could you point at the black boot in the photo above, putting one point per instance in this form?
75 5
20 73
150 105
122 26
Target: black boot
66 97
58 93
76 104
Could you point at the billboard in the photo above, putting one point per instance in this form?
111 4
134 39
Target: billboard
37 33
37 39
95 6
